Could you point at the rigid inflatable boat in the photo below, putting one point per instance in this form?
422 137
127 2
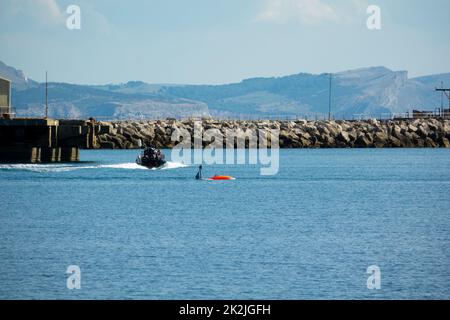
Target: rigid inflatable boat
151 158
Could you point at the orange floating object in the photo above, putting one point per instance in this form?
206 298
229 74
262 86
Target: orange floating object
222 178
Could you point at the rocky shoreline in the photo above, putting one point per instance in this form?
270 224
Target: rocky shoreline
418 133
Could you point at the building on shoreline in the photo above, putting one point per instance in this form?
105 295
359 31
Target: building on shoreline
5 98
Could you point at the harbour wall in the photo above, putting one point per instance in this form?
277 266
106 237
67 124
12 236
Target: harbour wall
42 140
414 133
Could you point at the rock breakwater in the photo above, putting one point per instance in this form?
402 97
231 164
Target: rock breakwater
418 133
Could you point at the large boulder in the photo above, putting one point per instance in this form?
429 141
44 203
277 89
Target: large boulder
380 139
394 142
363 141
444 142
343 136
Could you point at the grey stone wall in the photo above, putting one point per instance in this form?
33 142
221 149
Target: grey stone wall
419 133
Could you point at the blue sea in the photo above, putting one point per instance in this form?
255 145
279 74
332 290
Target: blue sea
309 232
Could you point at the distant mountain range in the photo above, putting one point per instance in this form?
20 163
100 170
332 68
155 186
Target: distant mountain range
371 91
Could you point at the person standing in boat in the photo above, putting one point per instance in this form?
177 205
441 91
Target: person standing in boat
199 173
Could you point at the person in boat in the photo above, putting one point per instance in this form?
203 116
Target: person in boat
151 158
199 173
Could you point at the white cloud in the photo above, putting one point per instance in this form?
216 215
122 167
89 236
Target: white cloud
310 12
51 15
43 11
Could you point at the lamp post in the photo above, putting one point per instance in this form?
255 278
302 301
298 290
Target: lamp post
329 98
46 96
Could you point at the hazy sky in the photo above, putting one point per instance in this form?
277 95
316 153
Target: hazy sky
220 41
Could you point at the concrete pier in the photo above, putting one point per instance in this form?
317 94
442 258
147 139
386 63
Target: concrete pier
25 140
42 140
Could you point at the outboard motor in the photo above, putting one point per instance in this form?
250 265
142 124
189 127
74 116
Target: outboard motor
151 158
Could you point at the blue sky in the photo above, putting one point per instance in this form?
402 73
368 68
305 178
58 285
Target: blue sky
220 41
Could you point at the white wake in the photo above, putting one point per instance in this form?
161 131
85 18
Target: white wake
72 167
126 166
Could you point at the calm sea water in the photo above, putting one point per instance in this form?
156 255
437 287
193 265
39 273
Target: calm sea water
309 232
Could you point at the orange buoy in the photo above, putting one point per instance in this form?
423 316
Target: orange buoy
222 178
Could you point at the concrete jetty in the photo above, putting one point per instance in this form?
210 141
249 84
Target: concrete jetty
38 140
42 140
